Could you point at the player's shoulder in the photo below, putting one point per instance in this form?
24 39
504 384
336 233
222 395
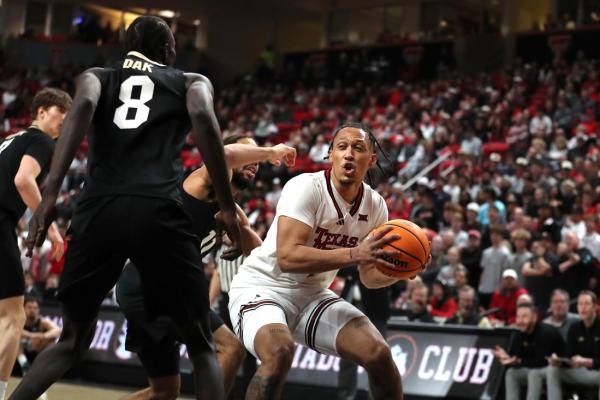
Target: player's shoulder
192 78
315 179
36 135
94 72
372 194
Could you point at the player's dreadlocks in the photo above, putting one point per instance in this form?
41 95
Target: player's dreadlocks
372 139
148 35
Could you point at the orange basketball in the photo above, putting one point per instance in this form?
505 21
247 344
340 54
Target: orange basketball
413 246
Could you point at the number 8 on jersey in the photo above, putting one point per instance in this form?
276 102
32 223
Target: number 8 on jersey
134 111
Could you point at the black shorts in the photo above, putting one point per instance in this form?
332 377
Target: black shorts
157 343
156 235
12 282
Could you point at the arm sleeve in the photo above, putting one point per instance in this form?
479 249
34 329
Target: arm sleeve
300 200
41 149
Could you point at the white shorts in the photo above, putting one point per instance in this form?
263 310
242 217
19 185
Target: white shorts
314 318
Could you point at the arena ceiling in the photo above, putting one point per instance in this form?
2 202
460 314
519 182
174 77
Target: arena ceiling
198 7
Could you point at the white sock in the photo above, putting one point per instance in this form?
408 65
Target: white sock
3 386
22 359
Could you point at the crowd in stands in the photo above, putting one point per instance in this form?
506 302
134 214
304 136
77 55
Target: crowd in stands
512 210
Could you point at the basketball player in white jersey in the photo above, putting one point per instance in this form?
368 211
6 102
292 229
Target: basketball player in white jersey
280 294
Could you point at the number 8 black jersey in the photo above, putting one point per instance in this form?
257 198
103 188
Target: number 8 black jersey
139 128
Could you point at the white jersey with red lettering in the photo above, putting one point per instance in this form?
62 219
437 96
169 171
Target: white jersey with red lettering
311 198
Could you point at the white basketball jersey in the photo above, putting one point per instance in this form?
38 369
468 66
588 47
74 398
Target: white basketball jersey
312 199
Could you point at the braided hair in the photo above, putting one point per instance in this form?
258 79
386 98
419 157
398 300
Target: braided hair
375 145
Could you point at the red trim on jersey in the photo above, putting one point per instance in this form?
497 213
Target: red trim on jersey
357 202
330 191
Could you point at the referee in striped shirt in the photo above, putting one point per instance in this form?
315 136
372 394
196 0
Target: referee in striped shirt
226 270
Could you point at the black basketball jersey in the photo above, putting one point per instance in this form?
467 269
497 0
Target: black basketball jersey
32 142
35 327
138 131
202 214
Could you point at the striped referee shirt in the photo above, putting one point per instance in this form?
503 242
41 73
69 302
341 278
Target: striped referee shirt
227 269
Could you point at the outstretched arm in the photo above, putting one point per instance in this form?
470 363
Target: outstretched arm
207 134
199 182
75 126
239 154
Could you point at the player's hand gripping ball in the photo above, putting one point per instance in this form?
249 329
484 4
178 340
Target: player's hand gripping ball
412 247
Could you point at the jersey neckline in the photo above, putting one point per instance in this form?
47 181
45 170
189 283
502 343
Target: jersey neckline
143 57
331 189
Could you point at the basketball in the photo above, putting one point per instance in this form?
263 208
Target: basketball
413 246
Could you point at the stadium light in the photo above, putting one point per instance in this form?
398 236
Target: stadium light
166 13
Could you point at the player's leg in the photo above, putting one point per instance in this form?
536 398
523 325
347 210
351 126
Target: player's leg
12 315
161 363
331 325
155 342
12 320
261 324
274 346
174 284
362 343
161 388
249 363
230 351
57 359
92 266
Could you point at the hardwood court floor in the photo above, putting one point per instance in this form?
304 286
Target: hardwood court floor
76 391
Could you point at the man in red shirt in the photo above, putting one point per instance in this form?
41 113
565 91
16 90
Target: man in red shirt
505 298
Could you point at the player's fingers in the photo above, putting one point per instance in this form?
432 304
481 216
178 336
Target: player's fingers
383 263
381 233
40 236
387 253
29 252
390 238
385 240
276 163
290 160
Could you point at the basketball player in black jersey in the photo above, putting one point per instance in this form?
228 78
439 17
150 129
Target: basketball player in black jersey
38 332
157 342
24 162
140 112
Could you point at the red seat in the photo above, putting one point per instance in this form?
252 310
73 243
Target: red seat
494 147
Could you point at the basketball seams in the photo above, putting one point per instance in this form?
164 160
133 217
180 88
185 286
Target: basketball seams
412 233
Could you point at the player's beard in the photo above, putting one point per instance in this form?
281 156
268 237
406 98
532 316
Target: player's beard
239 181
